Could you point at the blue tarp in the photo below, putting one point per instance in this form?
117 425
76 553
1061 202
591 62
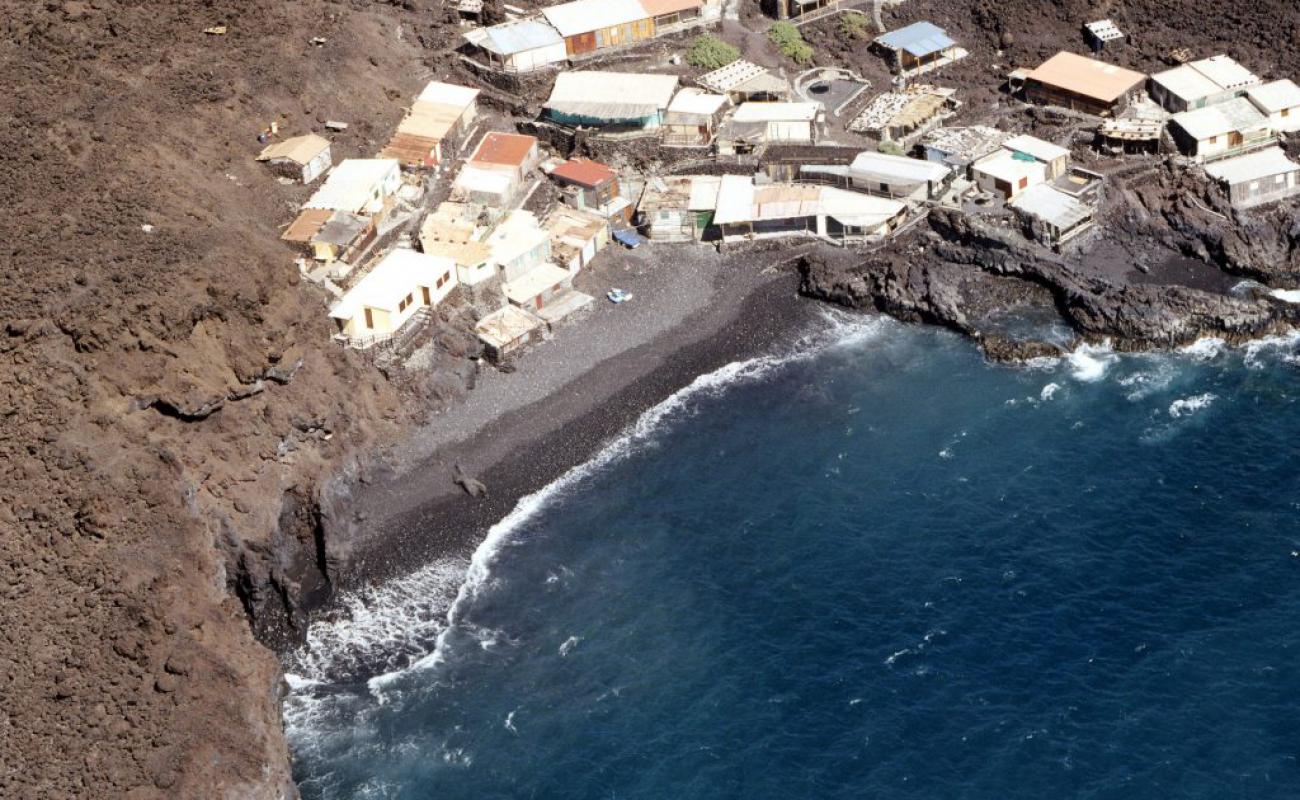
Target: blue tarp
629 239
919 39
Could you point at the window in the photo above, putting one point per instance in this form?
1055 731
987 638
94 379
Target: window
1024 183
1214 140
410 299
1286 112
401 306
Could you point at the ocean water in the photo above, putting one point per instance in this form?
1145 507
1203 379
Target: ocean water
871 566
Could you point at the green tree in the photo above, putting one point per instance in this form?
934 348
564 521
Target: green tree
789 41
711 52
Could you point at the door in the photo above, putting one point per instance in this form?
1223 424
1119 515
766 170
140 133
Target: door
427 300
370 320
1235 139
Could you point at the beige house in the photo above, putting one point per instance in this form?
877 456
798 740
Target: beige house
433 129
303 158
392 294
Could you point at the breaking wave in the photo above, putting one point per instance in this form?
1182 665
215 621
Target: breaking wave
404 625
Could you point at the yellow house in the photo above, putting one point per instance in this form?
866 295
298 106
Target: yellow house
392 294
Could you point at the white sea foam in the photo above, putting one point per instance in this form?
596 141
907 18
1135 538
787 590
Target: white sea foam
1258 351
1089 363
1205 349
1049 391
839 330
569 644
1186 406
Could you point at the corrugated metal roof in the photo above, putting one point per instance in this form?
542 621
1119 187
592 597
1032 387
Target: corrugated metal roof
584 16
506 325
299 149
306 225
739 200
342 229
520 36
900 168
918 39
1004 165
704 193
1253 167
611 95
431 120
1236 115
1087 77
1057 208
409 148
506 149
584 172
1275 96
724 79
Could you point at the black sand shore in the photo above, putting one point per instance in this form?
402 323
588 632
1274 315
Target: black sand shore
412 513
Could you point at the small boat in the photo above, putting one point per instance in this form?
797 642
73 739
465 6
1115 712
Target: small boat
618 296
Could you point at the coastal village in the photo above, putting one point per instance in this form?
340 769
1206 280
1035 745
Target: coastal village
508 221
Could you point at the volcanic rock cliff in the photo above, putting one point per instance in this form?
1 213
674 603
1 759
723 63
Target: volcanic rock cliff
169 394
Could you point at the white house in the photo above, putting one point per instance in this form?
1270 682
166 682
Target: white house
358 186
302 157
1280 100
1198 84
1007 173
522 45
390 296
1220 130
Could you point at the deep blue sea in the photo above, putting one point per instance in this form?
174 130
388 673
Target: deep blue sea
874 566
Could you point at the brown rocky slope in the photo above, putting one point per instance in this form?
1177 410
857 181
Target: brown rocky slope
167 396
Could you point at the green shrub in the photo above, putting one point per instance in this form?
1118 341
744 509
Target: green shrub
711 52
890 148
854 25
789 41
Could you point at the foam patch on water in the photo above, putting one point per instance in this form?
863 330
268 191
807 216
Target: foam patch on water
1258 352
379 623
1206 349
1049 391
1186 406
1089 363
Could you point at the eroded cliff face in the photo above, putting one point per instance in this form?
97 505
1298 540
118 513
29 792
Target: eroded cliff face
170 401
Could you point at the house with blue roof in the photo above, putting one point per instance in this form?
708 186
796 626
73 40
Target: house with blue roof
918 47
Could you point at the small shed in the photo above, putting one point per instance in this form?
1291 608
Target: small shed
1051 216
591 186
1266 176
746 82
692 118
917 45
303 158
961 147
1101 34
576 237
538 286
525 45
508 331
342 236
